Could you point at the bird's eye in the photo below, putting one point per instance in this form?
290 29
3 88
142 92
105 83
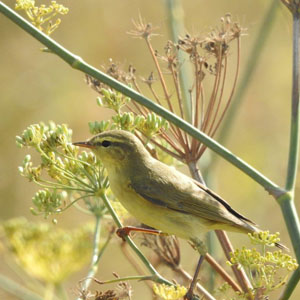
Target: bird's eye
106 143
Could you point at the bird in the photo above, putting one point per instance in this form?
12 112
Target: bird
160 196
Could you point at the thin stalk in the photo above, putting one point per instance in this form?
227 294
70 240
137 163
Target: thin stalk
290 286
222 273
134 262
286 201
251 64
199 287
119 279
49 292
214 94
176 25
17 290
223 239
77 63
61 292
95 258
238 272
156 276
294 131
165 89
233 87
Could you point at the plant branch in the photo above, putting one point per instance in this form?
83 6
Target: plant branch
290 286
294 130
155 275
199 287
176 25
224 241
17 290
251 64
286 202
77 63
96 254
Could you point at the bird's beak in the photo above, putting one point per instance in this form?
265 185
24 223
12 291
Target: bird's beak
84 144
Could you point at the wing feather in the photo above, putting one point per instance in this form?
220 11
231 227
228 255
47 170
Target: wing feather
176 195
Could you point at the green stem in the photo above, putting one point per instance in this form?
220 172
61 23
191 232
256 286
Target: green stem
252 61
176 25
77 63
17 290
138 277
294 131
61 292
286 202
95 258
156 276
290 286
291 218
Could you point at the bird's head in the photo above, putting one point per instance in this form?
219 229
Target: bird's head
116 147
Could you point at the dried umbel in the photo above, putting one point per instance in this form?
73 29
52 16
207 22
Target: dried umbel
210 92
166 248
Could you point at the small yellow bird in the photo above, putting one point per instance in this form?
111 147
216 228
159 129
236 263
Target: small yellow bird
160 196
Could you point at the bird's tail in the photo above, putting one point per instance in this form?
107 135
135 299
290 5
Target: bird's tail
278 245
282 247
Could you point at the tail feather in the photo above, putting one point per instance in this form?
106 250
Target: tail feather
278 245
282 247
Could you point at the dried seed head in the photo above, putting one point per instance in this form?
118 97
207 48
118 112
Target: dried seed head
166 247
142 29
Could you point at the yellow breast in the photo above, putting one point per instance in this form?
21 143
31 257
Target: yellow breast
169 221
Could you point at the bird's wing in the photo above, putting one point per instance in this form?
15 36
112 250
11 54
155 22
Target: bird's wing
223 202
202 202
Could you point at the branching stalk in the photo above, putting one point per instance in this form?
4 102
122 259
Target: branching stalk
286 202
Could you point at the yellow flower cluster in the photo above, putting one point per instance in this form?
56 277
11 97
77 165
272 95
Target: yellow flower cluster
42 16
169 292
262 268
46 252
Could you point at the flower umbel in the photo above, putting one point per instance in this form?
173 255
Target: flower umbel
169 292
65 175
46 252
42 16
263 268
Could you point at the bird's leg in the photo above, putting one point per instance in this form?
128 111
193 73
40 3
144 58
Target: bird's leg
125 231
200 246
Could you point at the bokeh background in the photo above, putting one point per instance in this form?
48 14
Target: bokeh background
36 86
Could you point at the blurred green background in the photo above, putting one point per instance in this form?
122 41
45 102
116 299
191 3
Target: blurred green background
36 86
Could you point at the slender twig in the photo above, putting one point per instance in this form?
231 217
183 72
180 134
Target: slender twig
199 287
214 93
233 87
294 131
286 202
252 61
239 272
224 241
134 262
220 97
17 290
290 286
95 258
156 276
222 273
176 25
164 86
127 278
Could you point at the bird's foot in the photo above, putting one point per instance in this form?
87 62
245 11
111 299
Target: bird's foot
125 231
